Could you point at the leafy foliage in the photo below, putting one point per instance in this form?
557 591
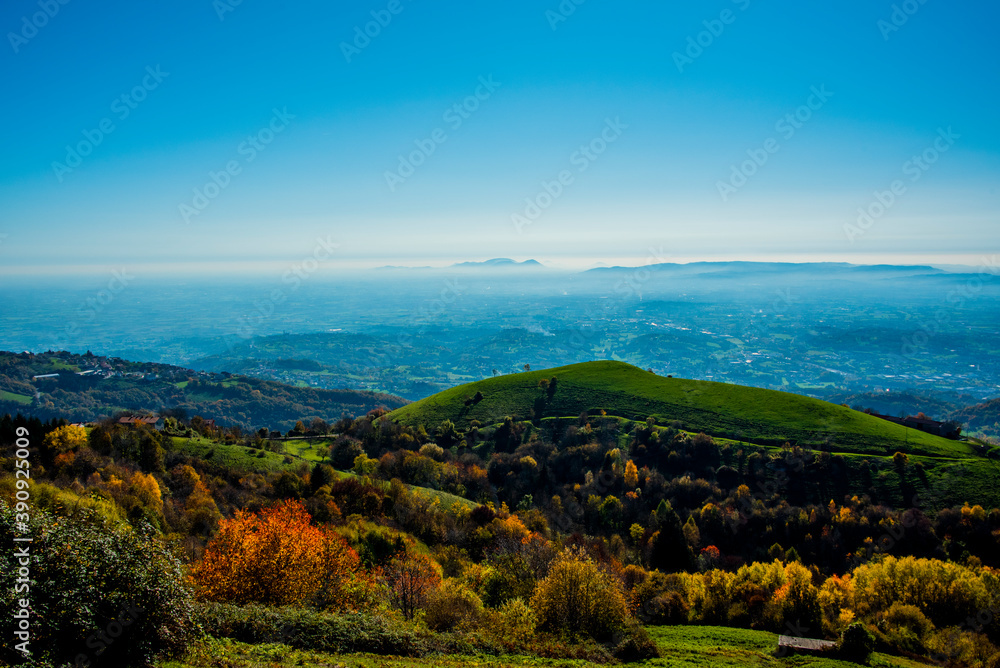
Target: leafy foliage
578 597
277 557
86 573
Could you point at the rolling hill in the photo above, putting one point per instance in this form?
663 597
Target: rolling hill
766 417
82 388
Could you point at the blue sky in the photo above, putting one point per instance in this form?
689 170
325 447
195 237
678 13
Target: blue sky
665 132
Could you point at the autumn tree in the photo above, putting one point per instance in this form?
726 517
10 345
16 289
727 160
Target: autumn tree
579 597
631 475
410 577
277 557
200 509
64 439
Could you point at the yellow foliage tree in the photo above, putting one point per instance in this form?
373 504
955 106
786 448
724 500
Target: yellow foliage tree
578 596
147 490
66 438
631 475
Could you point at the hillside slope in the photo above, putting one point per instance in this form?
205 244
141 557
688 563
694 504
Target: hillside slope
719 409
52 385
983 418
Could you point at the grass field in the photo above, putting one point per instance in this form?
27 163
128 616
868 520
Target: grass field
297 452
235 457
719 409
681 646
18 398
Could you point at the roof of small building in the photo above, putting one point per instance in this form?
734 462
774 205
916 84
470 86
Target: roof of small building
813 644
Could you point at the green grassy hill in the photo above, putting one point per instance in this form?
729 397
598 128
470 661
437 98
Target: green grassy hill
763 416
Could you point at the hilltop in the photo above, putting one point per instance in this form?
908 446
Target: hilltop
762 416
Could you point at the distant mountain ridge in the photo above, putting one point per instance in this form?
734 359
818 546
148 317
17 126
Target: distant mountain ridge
740 266
494 263
501 262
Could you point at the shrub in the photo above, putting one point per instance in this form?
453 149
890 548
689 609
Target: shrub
86 572
906 627
944 591
578 597
311 629
513 623
452 605
634 644
954 646
857 643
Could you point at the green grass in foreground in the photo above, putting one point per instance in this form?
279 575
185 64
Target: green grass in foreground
719 409
682 647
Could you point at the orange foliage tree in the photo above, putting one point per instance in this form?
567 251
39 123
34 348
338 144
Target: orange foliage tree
277 557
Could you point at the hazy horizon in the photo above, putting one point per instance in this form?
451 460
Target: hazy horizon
337 266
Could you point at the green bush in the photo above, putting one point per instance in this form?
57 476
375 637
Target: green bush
634 644
91 576
857 643
906 628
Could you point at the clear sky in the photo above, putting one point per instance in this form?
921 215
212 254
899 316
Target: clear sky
668 124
